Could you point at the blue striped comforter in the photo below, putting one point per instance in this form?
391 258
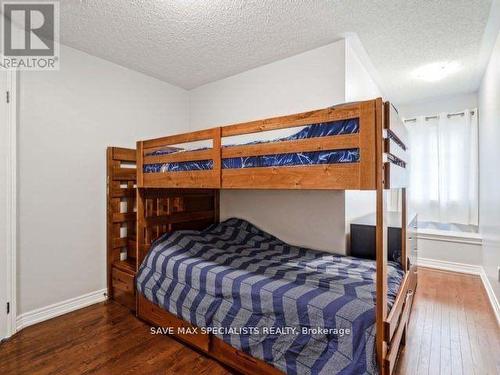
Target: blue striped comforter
311 312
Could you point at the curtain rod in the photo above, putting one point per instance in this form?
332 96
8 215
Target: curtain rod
427 118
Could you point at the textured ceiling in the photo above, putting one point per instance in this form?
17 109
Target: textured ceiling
192 42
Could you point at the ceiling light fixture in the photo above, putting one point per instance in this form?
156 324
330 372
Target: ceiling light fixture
436 71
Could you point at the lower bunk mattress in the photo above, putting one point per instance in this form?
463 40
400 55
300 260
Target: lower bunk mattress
300 310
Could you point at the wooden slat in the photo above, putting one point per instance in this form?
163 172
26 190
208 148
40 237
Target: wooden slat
123 217
328 176
124 174
341 112
392 354
179 157
391 322
120 242
176 192
125 266
302 145
179 217
199 135
124 154
391 147
395 124
122 193
191 179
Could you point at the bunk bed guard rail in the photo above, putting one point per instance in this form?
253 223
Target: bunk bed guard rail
180 179
359 174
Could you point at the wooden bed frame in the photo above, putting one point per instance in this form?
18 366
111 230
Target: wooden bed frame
167 201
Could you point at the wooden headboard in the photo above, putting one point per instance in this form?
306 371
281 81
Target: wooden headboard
165 210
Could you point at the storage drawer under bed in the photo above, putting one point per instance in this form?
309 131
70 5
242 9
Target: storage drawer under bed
239 360
123 288
156 315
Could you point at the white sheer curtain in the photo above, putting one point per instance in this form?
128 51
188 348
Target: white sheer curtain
444 168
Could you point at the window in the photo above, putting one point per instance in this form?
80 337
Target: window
444 167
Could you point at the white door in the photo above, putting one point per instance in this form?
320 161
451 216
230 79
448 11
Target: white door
7 202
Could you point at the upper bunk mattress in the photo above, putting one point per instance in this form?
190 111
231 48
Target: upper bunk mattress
310 312
332 128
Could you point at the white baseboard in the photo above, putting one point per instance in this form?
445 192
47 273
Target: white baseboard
48 312
491 295
465 268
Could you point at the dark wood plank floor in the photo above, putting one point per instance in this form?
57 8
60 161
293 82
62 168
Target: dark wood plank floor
452 331
101 339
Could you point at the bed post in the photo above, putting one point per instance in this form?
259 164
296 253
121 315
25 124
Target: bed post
404 256
139 232
404 227
381 249
110 164
139 158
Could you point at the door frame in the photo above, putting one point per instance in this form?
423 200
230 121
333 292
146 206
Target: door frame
9 96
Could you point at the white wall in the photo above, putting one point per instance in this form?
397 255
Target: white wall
489 161
312 219
66 120
449 249
359 86
312 80
447 104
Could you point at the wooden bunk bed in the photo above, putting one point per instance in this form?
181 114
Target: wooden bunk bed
172 200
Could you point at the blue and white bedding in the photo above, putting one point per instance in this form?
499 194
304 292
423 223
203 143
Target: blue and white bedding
331 128
310 312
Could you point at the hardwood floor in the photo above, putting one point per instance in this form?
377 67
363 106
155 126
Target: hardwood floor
101 339
452 331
